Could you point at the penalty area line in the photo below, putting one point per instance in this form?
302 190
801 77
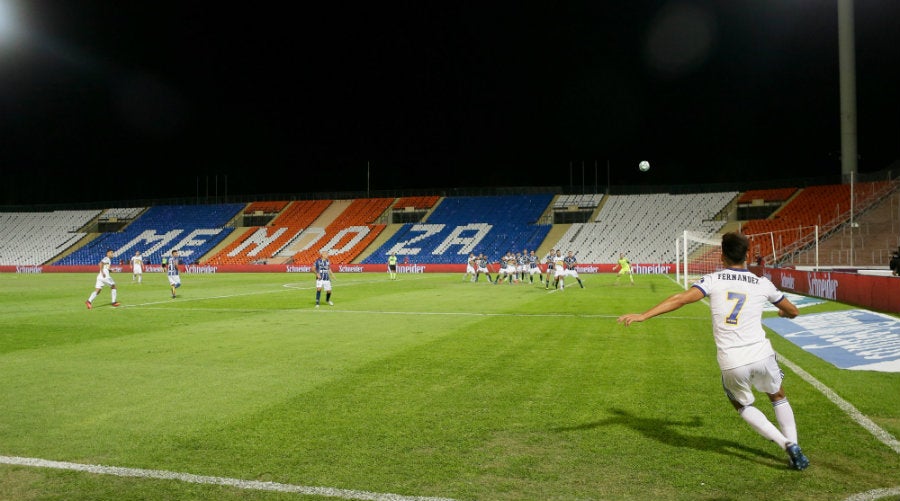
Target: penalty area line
209 480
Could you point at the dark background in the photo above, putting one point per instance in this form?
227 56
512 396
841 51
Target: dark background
120 100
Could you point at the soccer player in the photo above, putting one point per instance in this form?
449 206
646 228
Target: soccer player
559 271
533 267
482 267
322 269
137 267
745 355
624 267
570 263
470 268
104 279
501 270
392 265
548 260
509 271
172 271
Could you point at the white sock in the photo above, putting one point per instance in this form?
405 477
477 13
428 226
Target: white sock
113 292
93 297
759 422
784 414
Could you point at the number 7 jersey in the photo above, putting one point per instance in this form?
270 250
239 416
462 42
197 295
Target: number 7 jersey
736 301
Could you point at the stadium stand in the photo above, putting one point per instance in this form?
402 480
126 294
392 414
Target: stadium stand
350 233
266 207
769 195
33 238
259 244
416 202
121 213
589 201
193 229
644 227
793 227
458 225
828 207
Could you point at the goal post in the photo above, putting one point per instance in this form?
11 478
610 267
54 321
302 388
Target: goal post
696 255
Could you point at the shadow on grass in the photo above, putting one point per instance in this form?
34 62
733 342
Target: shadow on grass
666 432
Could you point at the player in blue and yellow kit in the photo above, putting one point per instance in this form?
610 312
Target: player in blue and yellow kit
322 269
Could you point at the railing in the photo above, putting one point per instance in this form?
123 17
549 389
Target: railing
790 252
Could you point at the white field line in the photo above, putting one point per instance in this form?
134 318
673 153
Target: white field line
223 481
874 494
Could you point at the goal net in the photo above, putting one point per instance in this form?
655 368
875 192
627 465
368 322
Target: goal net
696 255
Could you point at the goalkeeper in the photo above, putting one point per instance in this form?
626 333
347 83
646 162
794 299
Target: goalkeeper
624 266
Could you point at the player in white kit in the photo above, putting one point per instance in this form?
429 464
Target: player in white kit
746 358
137 267
103 279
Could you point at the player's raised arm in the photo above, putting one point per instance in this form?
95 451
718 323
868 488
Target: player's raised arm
671 303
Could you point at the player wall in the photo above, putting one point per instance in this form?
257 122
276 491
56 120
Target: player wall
876 292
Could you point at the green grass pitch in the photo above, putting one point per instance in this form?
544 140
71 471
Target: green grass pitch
423 386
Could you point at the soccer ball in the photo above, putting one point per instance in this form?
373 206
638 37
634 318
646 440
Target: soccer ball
644 166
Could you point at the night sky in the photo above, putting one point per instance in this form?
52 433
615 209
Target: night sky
119 100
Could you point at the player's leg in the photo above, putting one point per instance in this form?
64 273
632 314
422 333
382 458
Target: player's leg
769 380
90 302
328 292
113 292
575 275
318 292
736 383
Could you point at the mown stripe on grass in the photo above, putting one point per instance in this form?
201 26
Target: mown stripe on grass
223 481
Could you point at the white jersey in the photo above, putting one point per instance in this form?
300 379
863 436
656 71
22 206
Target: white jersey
736 300
103 277
136 263
105 263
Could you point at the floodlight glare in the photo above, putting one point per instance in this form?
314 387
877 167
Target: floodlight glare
9 25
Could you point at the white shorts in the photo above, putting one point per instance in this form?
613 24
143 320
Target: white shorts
324 284
137 270
534 270
572 273
470 269
482 269
101 281
510 270
559 272
174 279
765 375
